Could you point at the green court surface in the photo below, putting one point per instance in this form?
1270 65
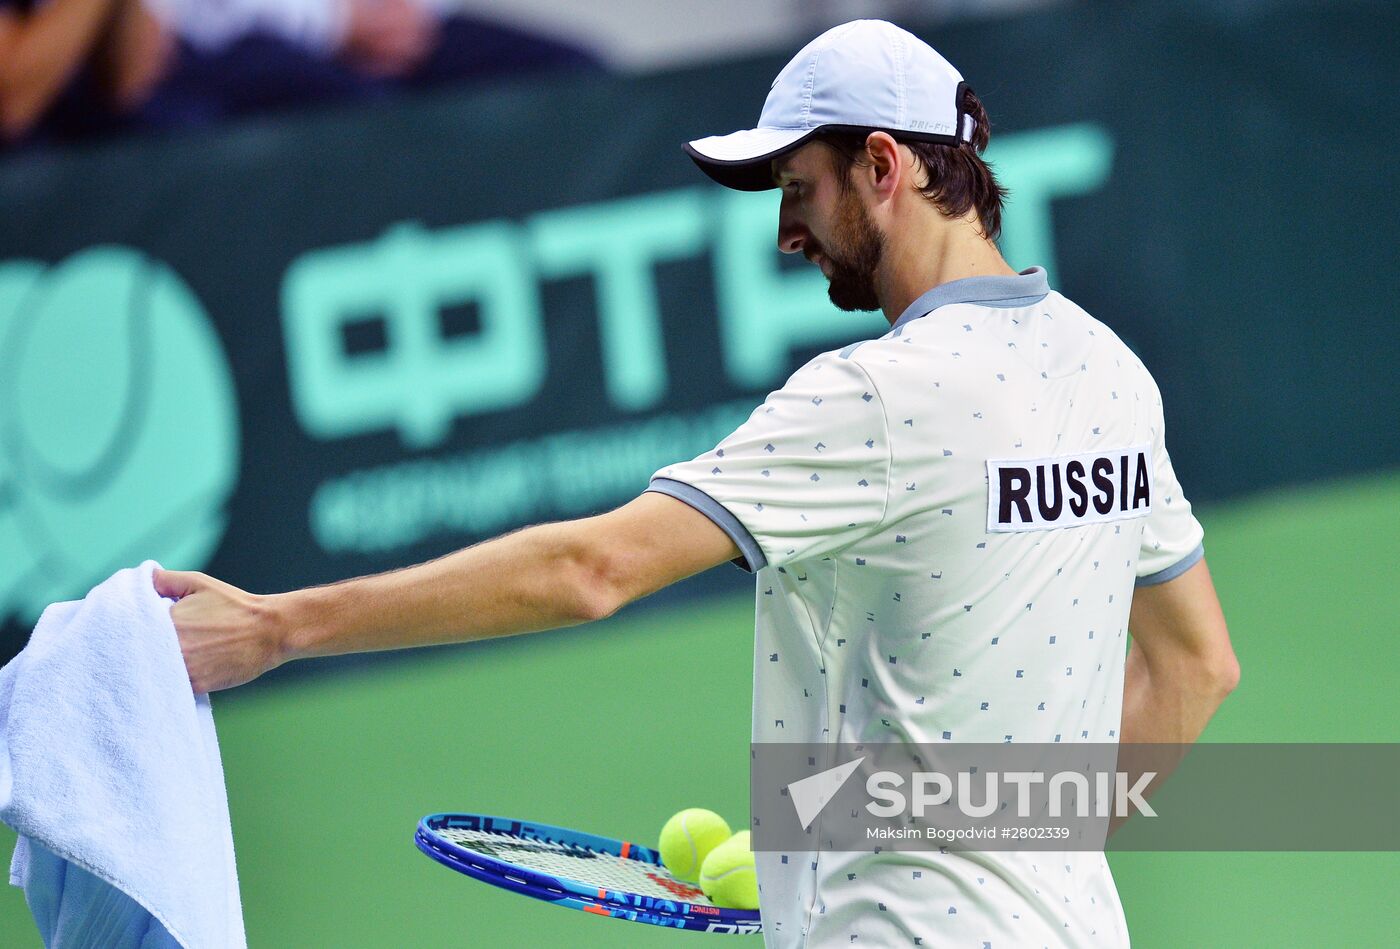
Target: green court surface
328 775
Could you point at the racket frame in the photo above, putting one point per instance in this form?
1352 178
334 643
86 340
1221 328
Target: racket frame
677 913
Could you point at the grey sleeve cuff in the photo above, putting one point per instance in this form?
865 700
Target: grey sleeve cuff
1175 570
752 558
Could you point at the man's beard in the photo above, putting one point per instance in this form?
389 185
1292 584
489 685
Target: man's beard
854 256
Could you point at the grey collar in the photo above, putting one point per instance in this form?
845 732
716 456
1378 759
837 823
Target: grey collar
1027 287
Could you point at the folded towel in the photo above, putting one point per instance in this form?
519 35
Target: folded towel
110 774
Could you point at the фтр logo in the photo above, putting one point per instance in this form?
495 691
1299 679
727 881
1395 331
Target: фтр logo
118 425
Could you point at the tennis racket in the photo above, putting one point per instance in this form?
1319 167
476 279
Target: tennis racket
599 875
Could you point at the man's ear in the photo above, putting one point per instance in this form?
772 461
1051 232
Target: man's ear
886 170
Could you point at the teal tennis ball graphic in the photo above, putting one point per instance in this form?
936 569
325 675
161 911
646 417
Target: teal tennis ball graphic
118 425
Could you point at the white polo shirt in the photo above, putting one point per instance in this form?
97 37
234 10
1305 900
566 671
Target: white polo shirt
947 524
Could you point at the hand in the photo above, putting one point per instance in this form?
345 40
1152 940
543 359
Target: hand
389 38
135 56
227 636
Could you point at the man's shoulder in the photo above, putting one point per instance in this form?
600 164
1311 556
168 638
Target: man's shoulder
1062 306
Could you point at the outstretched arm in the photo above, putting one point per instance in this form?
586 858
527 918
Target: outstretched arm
539 578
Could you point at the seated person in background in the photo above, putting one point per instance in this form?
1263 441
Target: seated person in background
237 57
72 69
404 42
71 66
80 69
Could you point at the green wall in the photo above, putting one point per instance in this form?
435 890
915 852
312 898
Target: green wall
328 774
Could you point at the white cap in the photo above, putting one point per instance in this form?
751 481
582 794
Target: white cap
857 77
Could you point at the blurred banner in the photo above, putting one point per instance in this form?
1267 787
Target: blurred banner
317 346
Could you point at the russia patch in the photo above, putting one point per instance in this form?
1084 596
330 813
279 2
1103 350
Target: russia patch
1041 494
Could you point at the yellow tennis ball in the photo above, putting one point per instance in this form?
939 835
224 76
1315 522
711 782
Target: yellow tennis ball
687 840
727 876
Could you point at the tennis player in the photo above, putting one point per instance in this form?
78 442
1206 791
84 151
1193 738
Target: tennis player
953 526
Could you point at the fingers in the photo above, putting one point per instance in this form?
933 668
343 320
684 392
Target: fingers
178 583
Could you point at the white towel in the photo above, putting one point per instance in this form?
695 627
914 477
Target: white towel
110 774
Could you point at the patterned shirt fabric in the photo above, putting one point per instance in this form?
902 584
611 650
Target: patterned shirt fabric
887 611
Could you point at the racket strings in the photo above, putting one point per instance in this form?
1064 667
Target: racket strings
579 863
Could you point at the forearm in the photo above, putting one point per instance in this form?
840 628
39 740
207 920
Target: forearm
40 52
1167 702
1170 698
1180 665
539 578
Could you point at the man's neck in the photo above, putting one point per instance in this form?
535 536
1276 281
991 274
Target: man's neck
932 256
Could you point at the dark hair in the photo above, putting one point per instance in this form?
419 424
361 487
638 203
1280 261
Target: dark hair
959 178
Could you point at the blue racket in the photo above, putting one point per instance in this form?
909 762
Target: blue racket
599 875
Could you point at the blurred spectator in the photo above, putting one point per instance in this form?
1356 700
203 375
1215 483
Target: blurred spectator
67 62
415 42
75 68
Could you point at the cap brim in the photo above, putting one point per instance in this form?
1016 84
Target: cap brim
741 160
